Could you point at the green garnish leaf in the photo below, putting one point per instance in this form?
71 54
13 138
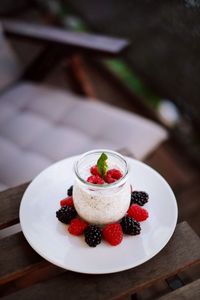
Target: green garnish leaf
102 165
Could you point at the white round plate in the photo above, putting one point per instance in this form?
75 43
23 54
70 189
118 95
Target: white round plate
51 240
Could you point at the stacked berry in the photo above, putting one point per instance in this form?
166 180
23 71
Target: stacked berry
67 212
110 176
101 174
135 214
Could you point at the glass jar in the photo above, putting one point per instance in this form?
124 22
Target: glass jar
101 204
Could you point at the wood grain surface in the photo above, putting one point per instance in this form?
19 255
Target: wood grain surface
188 292
17 258
175 257
10 202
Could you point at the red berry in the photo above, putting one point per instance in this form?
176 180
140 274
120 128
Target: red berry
67 201
92 179
138 213
109 179
95 179
113 234
114 173
94 170
77 226
99 180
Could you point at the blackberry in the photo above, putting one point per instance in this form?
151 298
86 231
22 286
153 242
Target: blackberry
70 191
130 226
65 214
93 235
139 198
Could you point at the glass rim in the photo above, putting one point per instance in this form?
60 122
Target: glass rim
102 186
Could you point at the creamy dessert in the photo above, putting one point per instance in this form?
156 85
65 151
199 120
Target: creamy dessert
101 204
101 198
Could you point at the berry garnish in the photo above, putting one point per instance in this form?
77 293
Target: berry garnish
113 175
139 198
94 170
130 226
95 179
137 212
77 226
93 235
102 165
109 179
70 191
65 214
113 234
67 201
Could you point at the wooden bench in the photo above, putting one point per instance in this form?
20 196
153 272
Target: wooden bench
189 291
26 275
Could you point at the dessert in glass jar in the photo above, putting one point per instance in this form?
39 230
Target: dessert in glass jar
102 197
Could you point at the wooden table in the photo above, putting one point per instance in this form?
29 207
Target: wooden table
26 275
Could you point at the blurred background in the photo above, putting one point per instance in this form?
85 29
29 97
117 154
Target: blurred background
155 78
161 67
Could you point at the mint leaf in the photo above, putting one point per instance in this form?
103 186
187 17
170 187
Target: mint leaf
102 164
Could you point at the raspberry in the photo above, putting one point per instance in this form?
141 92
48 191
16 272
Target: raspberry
70 191
109 179
77 226
113 234
94 170
67 201
130 226
65 214
93 235
138 213
139 198
95 179
114 173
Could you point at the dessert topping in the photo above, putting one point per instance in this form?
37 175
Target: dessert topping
102 165
95 179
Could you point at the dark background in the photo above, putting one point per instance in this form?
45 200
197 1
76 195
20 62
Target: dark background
164 35
165 43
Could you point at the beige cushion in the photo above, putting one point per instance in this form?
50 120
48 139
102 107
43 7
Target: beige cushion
40 125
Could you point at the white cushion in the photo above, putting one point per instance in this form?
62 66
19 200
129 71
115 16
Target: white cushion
40 125
24 127
58 142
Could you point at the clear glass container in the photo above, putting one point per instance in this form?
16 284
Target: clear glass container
101 204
